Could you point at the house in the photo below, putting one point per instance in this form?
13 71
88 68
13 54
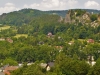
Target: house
60 48
49 65
20 64
2 68
9 40
6 73
2 39
9 69
30 63
43 65
71 42
90 41
49 34
91 60
41 43
1 73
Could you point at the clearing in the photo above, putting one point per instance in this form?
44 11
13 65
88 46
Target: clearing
4 27
21 35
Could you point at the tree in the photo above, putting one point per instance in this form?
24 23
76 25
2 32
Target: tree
93 17
10 62
69 66
95 70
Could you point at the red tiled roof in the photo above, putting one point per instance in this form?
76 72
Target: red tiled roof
11 68
7 72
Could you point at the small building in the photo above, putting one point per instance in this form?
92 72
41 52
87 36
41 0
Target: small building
2 39
1 69
71 42
43 65
49 34
10 68
9 40
90 41
59 48
5 70
91 60
41 43
1 73
30 63
20 64
49 65
6 73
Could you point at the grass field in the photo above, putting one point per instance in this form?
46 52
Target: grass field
4 27
82 40
21 35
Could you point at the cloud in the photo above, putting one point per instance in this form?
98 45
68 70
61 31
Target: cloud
53 5
8 8
92 5
9 4
43 5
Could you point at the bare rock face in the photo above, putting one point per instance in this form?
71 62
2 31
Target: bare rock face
68 18
61 19
99 18
86 16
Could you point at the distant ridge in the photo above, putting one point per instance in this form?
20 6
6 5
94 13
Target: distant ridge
24 16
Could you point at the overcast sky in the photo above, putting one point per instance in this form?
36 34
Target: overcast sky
13 5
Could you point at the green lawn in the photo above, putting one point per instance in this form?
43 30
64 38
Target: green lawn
82 40
21 35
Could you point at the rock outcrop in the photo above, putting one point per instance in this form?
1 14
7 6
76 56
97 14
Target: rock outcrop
61 19
67 17
86 16
99 18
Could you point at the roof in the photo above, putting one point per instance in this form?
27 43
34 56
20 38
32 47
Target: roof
7 73
90 41
11 68
51 64
9 40
1 73
43 65
2 68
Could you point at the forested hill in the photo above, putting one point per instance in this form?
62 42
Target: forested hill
71 43
24 16
20 17
63 12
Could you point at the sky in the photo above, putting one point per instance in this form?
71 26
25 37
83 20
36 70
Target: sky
14 5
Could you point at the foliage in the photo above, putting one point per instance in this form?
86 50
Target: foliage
10 62
41 37
93 17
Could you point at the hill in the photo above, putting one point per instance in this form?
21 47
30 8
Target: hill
69 39
20 17
24 16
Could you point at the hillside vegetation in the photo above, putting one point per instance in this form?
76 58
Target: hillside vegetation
24 16
42 37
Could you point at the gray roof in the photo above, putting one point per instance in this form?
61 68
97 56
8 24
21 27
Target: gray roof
1 73
51 64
